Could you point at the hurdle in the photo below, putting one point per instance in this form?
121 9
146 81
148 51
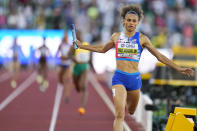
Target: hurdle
183 119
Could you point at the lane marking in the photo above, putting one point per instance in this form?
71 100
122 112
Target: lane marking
56 106
18 90
4 77
105 98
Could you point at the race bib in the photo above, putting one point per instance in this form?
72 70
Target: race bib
128 49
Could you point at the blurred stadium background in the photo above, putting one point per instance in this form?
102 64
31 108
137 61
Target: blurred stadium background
171 25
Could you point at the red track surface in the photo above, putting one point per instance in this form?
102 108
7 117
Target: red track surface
32 109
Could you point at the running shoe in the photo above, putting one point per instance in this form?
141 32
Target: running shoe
66 100
13 84
81 111
39 79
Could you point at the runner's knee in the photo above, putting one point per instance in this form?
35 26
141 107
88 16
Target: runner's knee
131 110
120 115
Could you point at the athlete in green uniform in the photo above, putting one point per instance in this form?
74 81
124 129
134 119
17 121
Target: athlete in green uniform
80 71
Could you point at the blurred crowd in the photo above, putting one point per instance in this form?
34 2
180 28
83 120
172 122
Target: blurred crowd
167 22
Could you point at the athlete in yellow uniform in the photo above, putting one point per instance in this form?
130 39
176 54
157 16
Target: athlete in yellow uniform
80 71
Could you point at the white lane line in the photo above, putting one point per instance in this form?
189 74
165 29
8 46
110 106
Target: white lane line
5 76
56 106
105 98
18 90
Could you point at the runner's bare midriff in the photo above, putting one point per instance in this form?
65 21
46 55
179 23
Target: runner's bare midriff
64 58
127 66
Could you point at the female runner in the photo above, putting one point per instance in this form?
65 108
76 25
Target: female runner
42 66
14 66
129 44
65 76
80 71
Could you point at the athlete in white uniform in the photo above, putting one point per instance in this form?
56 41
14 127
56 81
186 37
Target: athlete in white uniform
42 66
65 78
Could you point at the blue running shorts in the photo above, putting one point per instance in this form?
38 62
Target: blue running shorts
131 81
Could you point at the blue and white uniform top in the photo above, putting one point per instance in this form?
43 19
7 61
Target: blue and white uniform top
128 48
16 50
64 50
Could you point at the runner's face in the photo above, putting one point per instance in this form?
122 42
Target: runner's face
130 22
